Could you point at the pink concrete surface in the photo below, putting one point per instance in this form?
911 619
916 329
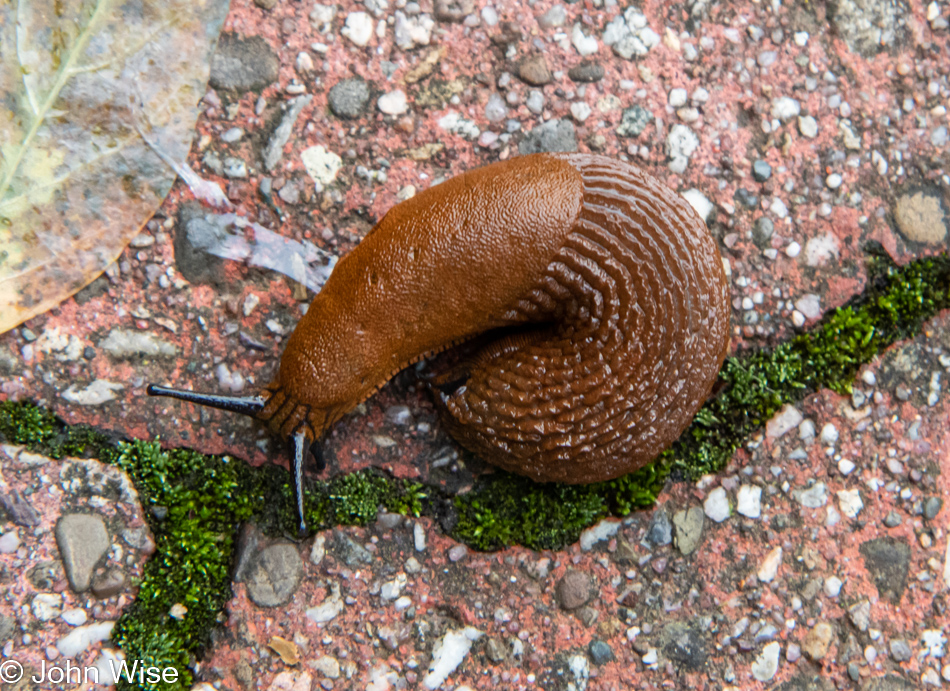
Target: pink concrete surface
894 102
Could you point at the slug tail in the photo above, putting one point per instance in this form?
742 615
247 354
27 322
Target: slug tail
245 405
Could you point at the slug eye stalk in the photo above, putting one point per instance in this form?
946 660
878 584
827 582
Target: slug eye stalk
252 406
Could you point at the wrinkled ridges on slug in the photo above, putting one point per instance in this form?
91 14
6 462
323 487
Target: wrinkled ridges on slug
638 299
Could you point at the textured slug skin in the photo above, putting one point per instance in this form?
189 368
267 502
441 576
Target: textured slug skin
616 286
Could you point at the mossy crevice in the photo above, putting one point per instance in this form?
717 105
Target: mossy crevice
194 503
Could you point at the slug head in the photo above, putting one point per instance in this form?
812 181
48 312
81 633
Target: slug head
280 411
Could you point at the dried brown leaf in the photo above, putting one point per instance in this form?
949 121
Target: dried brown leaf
82 85
287 650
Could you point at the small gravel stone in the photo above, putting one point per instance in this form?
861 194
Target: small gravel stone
585 45
688 527
553 18
716 506
900 650
633 121
660 532
553 136
82 540
573 590
892 519
600 652
348 98
832 586
808 126
817 641
768 569
46 606
358 28
849 502
834 181
785 108
786 419
749 501
761 171
765 665
829 434
587 71
457 553
932 506
534 71
393 103
677 97
243 64
762 232
580 111
275 576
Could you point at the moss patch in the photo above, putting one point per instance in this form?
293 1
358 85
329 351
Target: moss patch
195 503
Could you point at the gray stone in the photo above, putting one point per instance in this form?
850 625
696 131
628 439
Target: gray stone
869 26
586 72
496 650
453 11
900 650
274 151
746 198
347 550
688 529
109 583
892 519
573 590
7 628
684 645
932 506
243 64
762 232
19 511
82 540
552 136
634 120
806 681
600 652
921 215
275 575
887 559
761 171
195 235
890 682
660 531
348 98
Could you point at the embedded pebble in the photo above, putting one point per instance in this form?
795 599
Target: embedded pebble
787 418
832 586
849 501
603 530
393 103
358 28
765 665
770 565
716 506
82 540
448 654
749 501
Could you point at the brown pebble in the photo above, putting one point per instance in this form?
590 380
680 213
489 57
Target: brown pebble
534 71
266 4
587 71
453 10
108 584
817 641
573 590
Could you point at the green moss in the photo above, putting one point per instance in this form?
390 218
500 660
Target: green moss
195 503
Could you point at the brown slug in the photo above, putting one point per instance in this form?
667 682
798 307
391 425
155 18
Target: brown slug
599 294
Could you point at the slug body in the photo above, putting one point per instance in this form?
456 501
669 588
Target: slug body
599 294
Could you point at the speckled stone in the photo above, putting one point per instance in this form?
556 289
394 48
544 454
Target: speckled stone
573 590
275 576
82 540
